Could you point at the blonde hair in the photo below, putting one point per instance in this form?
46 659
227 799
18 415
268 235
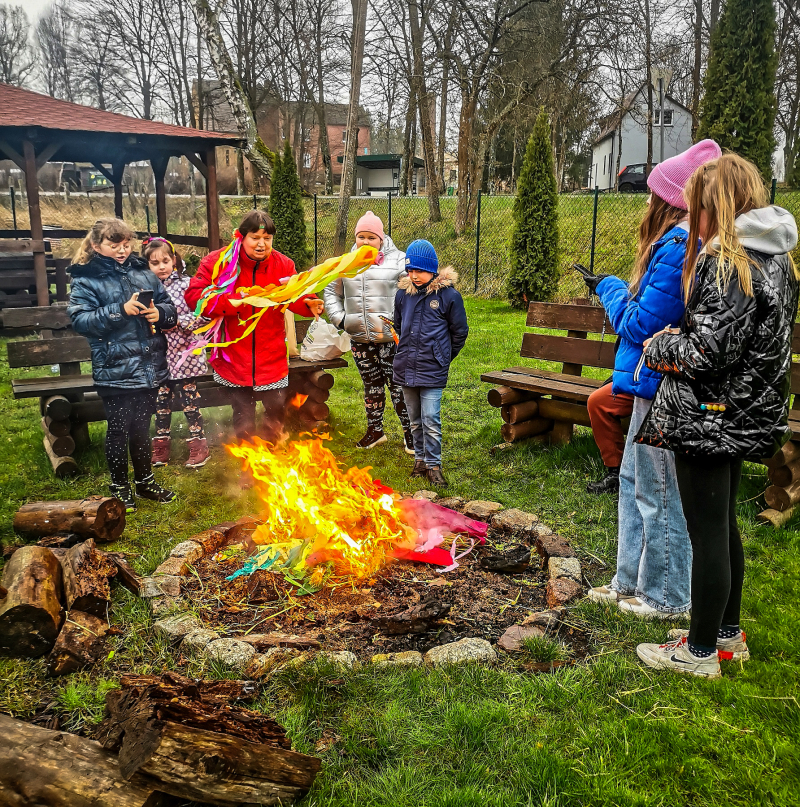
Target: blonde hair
724 188
659 219
114 230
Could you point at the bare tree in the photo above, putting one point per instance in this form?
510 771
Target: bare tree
16 59
54 39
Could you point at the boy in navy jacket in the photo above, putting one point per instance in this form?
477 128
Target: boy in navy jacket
431 322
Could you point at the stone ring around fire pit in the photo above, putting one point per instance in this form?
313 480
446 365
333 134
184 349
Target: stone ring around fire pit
178 626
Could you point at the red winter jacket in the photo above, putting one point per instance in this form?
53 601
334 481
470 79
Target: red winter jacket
260 358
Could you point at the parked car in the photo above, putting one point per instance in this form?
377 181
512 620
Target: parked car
633 178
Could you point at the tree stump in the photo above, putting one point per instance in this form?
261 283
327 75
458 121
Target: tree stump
81 643
87 575
99 517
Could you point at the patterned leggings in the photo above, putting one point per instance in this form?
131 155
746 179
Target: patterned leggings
186 390
128 415
375 363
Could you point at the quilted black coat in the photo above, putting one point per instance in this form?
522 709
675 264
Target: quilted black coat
725 390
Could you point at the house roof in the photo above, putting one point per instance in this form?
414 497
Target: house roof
383 160
93 135
610 123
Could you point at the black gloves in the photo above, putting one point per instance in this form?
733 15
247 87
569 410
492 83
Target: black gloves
589 278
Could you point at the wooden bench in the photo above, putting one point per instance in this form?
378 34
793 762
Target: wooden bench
18 278
69 401
547 404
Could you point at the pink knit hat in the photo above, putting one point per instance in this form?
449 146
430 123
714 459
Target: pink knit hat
370 223
668 179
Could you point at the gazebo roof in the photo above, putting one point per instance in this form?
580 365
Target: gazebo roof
85 134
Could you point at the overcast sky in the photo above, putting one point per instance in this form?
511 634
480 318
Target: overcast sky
33 8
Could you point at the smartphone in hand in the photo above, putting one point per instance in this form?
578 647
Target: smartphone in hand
146 297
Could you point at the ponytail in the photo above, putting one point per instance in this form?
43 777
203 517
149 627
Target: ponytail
114 230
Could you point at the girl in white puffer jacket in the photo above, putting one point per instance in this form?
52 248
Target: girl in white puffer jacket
356 305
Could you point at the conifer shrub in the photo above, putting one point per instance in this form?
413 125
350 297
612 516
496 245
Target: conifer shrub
286 209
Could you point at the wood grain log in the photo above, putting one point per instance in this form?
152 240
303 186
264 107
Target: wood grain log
502 396
775 517
80 434
316 394
321 379
57 407
789 452
63 446
317 411
30 613
98 517
564 411
126 575
58 428
528 428
197 746
80 644
785 474
782 498
516 413
62 466
43 768
87 576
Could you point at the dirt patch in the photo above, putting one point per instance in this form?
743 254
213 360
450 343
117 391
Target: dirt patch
353 614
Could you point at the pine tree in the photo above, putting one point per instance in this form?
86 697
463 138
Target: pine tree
286 209
738 108
534 237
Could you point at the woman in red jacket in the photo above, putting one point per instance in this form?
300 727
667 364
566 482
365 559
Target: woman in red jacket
254 367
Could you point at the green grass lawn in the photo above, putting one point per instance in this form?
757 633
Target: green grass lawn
604 732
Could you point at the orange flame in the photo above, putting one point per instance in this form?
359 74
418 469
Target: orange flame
298 400
330 514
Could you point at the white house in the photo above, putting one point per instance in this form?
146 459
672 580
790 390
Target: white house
627 128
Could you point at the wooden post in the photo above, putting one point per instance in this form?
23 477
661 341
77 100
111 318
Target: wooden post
159 165
212 199
37 233
117 170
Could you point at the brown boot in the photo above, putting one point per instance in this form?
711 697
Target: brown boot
436 478
420 469
198 453
161 446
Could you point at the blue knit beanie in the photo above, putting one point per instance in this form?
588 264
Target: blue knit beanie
421 255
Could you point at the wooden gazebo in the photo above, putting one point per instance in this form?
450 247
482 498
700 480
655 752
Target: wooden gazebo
35 129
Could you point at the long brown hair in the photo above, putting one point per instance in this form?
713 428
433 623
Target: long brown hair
156 244
114 230
724 188
660 218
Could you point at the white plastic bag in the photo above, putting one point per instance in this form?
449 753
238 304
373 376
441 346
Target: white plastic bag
323 341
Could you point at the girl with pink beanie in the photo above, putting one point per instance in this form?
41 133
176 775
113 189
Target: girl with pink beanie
654 555
358 306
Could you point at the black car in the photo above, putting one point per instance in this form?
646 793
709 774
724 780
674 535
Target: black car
633 178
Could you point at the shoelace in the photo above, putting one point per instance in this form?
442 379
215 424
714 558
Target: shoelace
674 644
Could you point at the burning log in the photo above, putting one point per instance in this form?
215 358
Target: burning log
503 396
30 611
43 768
80 643
99 517
193 744
87 573
419 619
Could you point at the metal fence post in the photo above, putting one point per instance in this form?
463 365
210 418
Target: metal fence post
594 226
14 209
255 202
315 231
147 214
477 242
772 191
390 214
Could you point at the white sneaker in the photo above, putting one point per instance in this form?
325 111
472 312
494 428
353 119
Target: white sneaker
602 594
675 655
634 605
733 649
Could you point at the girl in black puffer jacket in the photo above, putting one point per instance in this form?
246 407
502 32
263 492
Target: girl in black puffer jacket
724 397
129 350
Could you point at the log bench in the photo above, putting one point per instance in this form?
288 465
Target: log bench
68 402
547 404
17 275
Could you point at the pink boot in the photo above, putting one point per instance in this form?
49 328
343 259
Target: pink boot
161 447
198 452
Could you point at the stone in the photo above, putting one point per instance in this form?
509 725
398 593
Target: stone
545 619
176 627
542 529
168 585
230 653
569 568
341 658
409 658
516 522
427 495
452 503
561 591
164 605
464 651
198 639
481 510
210 540
262 664
172 566
514 636
190 551
553 546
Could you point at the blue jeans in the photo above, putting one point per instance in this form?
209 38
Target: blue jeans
424 405
654 556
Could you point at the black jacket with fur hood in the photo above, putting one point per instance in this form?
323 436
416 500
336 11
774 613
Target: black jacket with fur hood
432 325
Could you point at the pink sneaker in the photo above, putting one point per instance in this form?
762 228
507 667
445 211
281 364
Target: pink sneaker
198 453
161 446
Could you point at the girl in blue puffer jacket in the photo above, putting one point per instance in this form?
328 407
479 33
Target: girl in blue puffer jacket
129 350
654 556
